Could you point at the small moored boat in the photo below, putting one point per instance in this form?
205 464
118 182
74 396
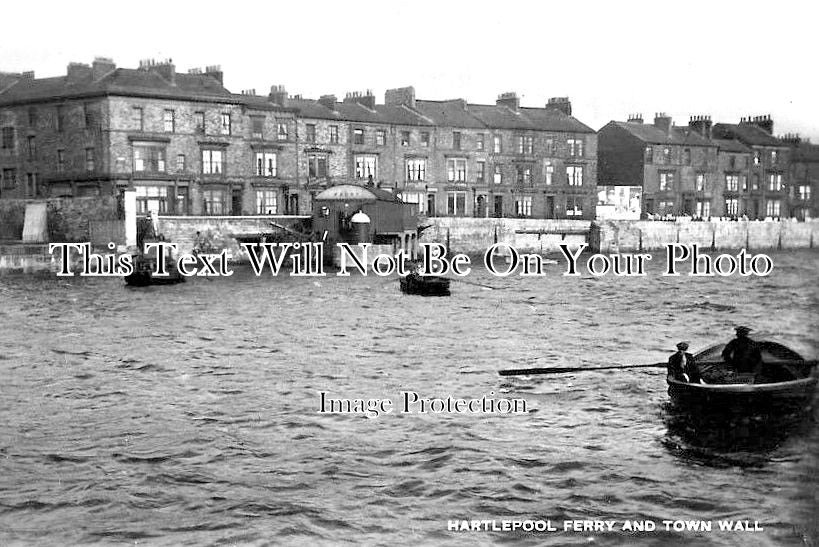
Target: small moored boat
144 272
425 285
787 381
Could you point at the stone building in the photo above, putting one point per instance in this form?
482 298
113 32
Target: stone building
803 177
673 168
183 141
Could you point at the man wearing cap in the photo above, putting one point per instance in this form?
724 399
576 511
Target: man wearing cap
681 365
742 353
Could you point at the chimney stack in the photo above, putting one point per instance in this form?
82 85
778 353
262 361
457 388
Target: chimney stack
166 69
328 101
663 121
365 99
510 100
400 96
763 122
215 71
701 124
563 104
635 118
78 72
102 66
278 95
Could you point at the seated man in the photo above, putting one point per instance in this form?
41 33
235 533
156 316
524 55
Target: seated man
743 354
681 365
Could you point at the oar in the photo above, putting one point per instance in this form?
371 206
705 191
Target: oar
490 287
560 370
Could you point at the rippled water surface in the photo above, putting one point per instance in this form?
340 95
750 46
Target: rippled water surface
187 414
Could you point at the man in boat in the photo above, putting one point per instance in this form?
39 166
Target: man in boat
681 365
743 354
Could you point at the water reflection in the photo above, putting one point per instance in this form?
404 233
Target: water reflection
713 437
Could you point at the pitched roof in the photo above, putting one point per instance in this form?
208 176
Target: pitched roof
652 134
731 145
452 113
746 133
805 152
121 81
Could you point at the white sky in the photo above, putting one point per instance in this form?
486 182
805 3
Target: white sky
726 59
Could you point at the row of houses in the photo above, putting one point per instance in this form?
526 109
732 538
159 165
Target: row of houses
188 146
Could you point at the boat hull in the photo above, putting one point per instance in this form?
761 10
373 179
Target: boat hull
787 395
144 276
425 285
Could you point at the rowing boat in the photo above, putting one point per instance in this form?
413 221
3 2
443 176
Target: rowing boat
425 285
786 381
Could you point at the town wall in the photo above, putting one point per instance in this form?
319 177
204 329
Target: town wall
68 219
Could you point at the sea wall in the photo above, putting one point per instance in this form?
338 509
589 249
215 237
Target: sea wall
221 232
68 218
630 236
476 235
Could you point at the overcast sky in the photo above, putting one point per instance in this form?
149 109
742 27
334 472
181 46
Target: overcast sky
726 59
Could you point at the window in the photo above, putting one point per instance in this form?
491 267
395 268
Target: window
480 176
60 118
282 132
456 140
168 121
416 198
9 178
648 154
665 207
416 169
743 182
358 136
574 206
60 160
523 206
456 203
225 128
316 165
497 144
700 182
774 182
666 155
548 172
575 148
732 162
424 138
732 207
456 169
31 184
574 175
703 209
687 156
772 208
8 138
498 175
666 181
480 143
365 167
731 183
152 198
266 202
334 134
149 159
774 157
380 137
89 159
755 182
265 164
32 117
137 121
310 132
803 192
756 158
550 146
212 162
180 163
524 175
405 138
257 126
199 120
214 201
525 144
87 116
